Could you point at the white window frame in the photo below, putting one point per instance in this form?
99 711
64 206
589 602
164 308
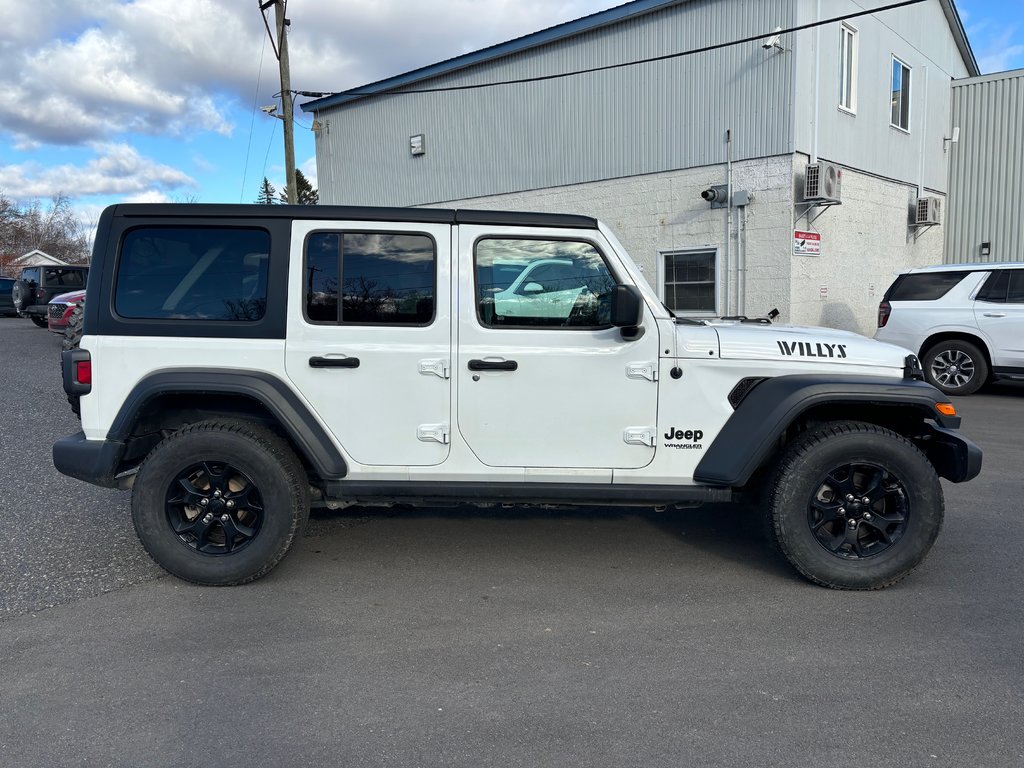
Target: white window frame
909 86
848 77
662 293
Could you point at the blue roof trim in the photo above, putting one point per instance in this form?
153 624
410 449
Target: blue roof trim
533 40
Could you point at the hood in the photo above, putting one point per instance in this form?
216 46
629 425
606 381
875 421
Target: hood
71 297
796 344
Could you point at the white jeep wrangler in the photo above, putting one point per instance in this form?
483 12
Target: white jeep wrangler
242 363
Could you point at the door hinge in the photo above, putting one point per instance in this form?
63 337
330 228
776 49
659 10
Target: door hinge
647 371
640 436
433 433
435 367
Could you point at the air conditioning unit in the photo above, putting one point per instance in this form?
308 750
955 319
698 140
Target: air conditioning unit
823 183
927 211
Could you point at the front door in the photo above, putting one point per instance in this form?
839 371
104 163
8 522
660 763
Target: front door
543 379
370 348
999 311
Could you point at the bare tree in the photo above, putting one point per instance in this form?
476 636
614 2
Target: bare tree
54 229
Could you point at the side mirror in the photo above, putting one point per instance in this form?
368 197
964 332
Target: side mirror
627 311
533 288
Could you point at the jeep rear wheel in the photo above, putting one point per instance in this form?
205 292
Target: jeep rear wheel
854 506
955 367
220 503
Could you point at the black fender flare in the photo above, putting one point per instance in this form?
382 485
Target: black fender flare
269 391
749 436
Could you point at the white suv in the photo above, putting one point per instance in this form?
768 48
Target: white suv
242 364
965 321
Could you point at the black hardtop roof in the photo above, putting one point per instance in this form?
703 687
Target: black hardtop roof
354 213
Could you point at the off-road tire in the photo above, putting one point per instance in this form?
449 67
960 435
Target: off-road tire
73 330
22 295
253 453
954 351
908 494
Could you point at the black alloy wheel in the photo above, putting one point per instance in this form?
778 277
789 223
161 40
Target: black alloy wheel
858 511
220 502
853 505
214 508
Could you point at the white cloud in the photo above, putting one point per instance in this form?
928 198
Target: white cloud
95 71
117 169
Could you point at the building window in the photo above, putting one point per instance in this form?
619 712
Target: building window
690 283
847 68
900 95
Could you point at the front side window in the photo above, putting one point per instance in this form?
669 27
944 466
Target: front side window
542 283
690 284
900 115
193 273
370 278
847 67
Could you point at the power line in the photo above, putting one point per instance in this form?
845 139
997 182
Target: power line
252 121
399 90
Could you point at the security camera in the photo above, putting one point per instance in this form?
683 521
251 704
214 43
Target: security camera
269 109
775 41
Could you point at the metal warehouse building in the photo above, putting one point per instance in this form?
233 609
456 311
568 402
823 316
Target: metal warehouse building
832 140
985 219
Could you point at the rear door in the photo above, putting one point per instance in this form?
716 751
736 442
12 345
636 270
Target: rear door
369 336
544 381
999 311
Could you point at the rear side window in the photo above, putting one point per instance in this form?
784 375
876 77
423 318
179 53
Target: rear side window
56 277
1004 286
370 278
923 286
193 273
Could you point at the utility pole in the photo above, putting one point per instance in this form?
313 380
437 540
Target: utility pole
287 98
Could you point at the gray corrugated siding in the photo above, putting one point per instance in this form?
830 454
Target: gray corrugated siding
987 170
642 119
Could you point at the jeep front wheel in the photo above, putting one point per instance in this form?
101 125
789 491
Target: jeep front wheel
220 503
854 506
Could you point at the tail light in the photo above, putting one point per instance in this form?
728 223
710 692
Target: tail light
83 372
40 293
884 310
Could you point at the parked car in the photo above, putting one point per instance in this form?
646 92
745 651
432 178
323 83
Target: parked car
61 307
37 285
6 301
965 322
283 357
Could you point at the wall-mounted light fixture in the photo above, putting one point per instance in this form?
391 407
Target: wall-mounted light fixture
417 145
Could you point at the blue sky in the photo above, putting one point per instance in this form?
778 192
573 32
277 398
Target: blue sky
157 100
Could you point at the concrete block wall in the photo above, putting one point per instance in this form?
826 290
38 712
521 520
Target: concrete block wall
664 211
865 242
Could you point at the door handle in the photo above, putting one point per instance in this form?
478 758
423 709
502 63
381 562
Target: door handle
995 314
493 365
334 362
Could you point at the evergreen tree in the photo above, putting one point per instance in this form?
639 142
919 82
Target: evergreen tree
267 193
307 195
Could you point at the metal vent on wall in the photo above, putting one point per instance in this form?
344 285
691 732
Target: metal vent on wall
823 183
927 211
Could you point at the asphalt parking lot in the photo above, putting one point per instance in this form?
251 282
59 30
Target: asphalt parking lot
497 637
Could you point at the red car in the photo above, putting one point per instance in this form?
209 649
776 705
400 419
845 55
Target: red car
59 310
